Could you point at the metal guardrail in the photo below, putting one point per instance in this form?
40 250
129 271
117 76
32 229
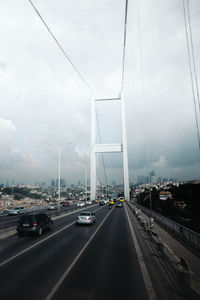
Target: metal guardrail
184 233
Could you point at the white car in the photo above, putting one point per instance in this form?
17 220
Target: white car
86 217
16 211
88 202
80 204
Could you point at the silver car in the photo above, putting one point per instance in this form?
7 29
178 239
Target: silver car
86 217
52 207
16 211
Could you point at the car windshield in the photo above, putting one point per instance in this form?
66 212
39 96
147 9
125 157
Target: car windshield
85 214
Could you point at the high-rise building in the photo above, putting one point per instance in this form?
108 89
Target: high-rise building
62 182
153 179
152 176
152 173
53 183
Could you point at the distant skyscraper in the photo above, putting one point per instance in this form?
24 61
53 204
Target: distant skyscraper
165 180
153 179
142 179
53 182
62 182
152 173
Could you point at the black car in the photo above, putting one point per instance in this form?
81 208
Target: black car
34 223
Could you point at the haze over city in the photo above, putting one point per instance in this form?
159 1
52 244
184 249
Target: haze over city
44 104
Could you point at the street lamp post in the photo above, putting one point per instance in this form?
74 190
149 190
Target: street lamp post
59 153
150 200
86 185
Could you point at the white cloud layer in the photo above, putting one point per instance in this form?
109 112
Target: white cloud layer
44 104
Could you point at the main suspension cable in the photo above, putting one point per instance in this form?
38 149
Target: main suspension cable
192 50
60 47
191 75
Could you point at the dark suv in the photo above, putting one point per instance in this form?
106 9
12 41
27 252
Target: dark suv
34 223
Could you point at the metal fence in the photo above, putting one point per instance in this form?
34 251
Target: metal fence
184 233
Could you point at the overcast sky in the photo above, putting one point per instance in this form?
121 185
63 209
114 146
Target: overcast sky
45 105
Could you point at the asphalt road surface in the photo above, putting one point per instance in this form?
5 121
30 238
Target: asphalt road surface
10 221
99 261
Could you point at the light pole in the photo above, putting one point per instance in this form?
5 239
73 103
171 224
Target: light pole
86 185
59 154
150 200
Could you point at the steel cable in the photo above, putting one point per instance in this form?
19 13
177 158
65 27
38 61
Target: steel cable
60 47
191 75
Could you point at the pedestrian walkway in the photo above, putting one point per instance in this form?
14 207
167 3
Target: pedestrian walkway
175 250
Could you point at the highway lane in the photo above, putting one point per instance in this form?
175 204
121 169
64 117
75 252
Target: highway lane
109 267
109 259
57 264
32 274
14 244
10 221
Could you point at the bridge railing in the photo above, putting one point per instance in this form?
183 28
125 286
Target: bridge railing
188 235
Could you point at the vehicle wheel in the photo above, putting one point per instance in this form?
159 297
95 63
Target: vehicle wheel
40 231
51 226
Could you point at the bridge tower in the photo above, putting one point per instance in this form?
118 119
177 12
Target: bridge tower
106 148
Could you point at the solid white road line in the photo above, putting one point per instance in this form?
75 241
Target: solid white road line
65 274
34 245
144 271
38 243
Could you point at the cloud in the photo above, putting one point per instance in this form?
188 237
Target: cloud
161 162
44 104
3 66
83 153
6 126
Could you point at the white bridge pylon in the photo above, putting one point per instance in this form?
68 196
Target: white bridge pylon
106 148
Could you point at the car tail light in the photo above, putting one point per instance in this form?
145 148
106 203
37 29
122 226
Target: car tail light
35 224
89 218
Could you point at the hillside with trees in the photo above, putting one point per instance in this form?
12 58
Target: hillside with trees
187 194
